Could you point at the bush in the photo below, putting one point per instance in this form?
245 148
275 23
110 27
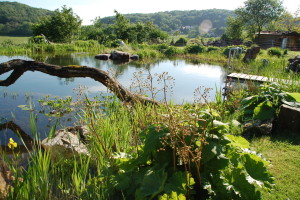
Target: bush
194 49
275 51
209 49
266 104
176 162
161 47
171 51
147 53
181 42
39 39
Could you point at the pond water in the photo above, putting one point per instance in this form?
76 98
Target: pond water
34 85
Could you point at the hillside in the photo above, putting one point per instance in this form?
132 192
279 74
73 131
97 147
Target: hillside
15 18
186 22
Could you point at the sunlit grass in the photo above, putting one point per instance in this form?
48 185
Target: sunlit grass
15 40
283 151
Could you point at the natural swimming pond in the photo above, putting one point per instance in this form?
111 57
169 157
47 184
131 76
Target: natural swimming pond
32 86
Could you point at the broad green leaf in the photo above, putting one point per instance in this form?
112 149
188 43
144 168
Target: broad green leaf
239 186
177 183
249 100
217 163
220 124
152 138
220 127
238 141
172 196
256 168
121 181
264 111
153 184
209 151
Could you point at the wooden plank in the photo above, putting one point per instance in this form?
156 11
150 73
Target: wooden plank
260 78
242 76
249 77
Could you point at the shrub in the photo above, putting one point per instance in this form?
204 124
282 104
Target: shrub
39 39
161 47
194 49
266 104
181 42
194 159
275 51
211 48
171 51
150 53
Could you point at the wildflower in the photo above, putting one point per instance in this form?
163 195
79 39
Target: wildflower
12 144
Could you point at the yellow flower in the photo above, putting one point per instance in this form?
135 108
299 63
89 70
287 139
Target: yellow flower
12 144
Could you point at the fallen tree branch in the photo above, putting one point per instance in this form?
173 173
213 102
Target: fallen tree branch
20 66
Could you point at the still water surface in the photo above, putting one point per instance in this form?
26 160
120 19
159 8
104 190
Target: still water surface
187 77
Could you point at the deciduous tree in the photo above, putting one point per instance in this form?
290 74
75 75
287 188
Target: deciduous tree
259 13
61 27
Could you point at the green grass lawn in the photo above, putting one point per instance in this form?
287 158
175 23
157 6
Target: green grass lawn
284 154
15 40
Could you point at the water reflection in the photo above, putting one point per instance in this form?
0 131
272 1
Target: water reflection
188 76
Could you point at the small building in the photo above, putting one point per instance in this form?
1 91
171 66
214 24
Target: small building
283 39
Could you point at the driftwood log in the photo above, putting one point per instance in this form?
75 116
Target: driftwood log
19 67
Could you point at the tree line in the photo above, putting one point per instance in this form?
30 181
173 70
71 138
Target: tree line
16 18
186 22
63 25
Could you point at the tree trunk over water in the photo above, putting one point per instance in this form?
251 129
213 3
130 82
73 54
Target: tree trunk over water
20 66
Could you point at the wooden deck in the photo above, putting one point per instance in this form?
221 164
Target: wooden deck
261 79
248 77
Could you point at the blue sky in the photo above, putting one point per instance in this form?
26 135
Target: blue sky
90 9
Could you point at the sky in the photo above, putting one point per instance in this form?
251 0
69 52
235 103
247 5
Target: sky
88 10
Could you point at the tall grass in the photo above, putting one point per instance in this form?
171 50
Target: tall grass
113 128
13 40
31 48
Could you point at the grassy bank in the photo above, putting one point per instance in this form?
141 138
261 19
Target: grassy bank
283 150
265 64
13 40
8 48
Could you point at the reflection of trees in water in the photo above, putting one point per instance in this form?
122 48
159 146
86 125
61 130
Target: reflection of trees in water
40 57
63 60
28 142
65 81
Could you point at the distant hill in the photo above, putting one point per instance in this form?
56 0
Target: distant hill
15 18
186 22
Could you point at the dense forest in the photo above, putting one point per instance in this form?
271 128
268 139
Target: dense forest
186 22
16 18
